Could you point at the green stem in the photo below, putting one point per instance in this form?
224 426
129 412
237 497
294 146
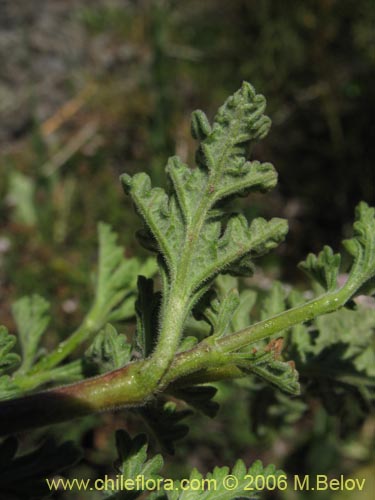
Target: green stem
206 355
169 338
177 309
130 386
75 400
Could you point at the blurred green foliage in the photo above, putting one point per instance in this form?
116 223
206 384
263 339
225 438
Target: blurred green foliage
315 62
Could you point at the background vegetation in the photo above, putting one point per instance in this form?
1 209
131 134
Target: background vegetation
91 89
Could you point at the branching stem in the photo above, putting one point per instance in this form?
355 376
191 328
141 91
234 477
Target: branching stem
128 386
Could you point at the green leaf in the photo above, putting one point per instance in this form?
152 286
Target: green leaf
274 302
344 391
200 126
8 360
181 224
132 462
218 312
132 457
109 351
356 329
217 480
8 389
241 317
31 315
189 224
323 268
117 277
233 251
266 363
362 247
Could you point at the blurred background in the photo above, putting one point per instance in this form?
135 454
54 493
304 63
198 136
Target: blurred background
92 88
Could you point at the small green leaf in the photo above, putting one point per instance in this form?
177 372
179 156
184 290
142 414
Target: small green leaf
218 313
109 351
362 247
132 463
241 317
117 277
356 329
32 317
8 389
266 363
8 359
200 126
274 302
323 268
239 484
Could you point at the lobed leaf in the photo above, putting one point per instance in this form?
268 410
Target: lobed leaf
184 224
362 246
217 480
132 462
117 277
109 351
266 363
218 312
323 268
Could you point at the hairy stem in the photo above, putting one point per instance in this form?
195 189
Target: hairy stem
129 386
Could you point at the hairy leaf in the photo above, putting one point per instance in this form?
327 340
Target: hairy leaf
182 226
109 351
132 462
266 363
218 312
362 246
